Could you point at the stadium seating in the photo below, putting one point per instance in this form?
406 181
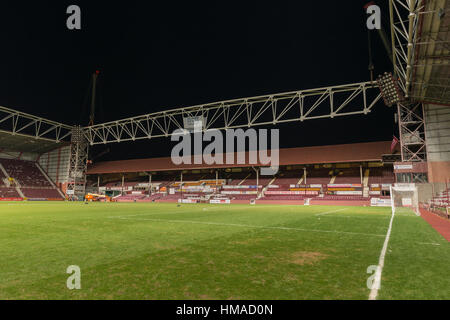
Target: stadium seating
340 197
262 181
2 177
442 199
284 197
318 176
171 197
40 193
29 178
238 178
237 185
130 197
25 172
119 184
285 181
8 193
381 176
349 176
242 196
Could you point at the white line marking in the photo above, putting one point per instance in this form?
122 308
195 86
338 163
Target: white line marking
430 243
328 212
377 281
248 226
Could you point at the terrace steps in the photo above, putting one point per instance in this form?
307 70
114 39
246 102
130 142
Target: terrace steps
49 180
4 171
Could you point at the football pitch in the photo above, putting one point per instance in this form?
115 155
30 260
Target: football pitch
162 251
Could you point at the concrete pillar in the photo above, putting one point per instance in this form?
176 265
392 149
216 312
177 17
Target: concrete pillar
361 173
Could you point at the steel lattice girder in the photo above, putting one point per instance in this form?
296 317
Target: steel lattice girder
16 122
78 163
404 16
420 48
412 131
327 102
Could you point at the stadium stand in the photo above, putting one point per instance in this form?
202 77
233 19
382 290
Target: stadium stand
318 176
384 175
441 200
29 180
130 197
40 193
351 175
238 178
241 186
288 178
26 173
8 193
333 174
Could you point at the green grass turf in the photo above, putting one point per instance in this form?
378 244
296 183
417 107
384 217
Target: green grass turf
161 251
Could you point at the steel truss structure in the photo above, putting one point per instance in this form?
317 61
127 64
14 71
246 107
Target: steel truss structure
404 15
20 123
406 30
412 131
79 150
327 102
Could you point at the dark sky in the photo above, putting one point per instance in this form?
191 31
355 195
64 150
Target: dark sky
173 54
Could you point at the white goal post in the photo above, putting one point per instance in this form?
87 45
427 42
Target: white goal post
404 198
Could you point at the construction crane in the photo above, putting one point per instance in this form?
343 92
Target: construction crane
94 90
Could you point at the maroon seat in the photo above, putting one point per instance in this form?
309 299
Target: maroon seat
33 183
26 173
40 193
348 176
8 193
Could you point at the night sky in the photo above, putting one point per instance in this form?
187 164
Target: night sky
159 57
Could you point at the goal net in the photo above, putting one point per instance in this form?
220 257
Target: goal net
405 199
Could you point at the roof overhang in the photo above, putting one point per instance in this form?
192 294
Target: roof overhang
25 143
431 76
345 153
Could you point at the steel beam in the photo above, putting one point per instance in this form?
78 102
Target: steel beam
404 16
16 122
320 103
412 131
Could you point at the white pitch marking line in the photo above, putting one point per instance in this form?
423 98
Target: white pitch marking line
248 226
377 281
328 212
147 214
430 243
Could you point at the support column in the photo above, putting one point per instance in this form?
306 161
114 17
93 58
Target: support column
76 185
411 125
150 190
361 174
181 184
257 179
